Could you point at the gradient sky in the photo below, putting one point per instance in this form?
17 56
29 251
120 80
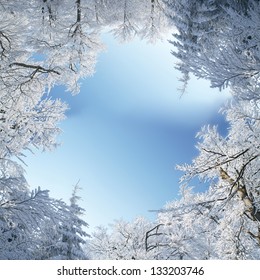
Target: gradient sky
125 132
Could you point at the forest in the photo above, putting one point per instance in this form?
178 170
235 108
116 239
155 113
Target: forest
49 43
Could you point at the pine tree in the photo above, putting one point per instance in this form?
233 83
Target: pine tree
70 233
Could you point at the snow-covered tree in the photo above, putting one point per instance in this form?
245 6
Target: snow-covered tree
218 41
72 234
224 221
128 19
154 23
54 46
24 213
122 241
35 226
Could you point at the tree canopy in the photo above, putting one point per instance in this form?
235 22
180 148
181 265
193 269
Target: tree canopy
47 43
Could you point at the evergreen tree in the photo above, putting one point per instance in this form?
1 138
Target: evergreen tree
24 214
217 40
71 232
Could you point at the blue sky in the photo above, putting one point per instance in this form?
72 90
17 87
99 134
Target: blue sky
125 132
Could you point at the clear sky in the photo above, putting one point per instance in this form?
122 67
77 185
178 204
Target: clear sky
125 132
